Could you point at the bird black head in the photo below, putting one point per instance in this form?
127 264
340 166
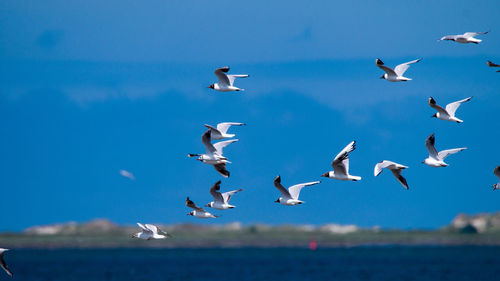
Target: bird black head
435 115
382 77
277 201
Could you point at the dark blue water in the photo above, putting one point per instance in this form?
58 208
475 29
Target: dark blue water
358 263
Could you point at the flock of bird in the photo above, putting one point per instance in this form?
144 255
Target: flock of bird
340 164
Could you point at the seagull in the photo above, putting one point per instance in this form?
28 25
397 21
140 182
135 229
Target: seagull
127 174
395 168
395 75
497 173
447 114
490 64
467 37
341 165
2 262
226 81
150 232
221 131
436 159
221 200
214 153
290 196
198 212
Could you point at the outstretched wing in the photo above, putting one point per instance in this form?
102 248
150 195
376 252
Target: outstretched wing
232 77
294 190
221 169
472 34
400 178
381 165
340 164
206 139
401 69
281 188
145 229
214 190
439 108
227 195
490 64
192 205
220 145
387 70
429 143
221 75
223 127
444 153
153 228
452 107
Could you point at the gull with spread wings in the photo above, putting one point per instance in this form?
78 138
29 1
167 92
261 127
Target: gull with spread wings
396 74
340 165
395 168
226 81
467 37
436 159
220 132
221 200
448 113
290 196
198 211
149 232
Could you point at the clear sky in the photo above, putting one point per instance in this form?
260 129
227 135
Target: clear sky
92 87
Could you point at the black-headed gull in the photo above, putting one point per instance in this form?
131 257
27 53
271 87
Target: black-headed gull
290 196
340 165
3 263
220 132
395 75
226 81
395 168
149 232
490 64
436 159
214 156
127 174
221 200
467 37
447 114
496 171
198 211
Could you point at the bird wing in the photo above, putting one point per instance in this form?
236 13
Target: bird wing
400 178
232 77
491 64
214 190
206 139
227 195
221 75
387 70
4 264
223 127
212 128
281 188
220 145
341 162
192 205
221 169
439 108
444 153
472 34
496 171
452 107
429 143
381 165
294 190
144 229
400 69
153 228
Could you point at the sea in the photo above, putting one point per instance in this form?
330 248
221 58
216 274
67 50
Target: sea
344 263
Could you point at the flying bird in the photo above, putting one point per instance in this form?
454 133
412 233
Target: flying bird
290 196
447 114
467 37
436 159
198 212
490 64
3 263
226 81
213 155
340 165
127 174
149 232
395 75
221 200
496 171
395 168
220 132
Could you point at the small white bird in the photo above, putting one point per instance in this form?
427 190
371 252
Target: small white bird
290 196
436 159
198 212
395 168
221 131
395 75
496 171
340 165
467 37
3 263
214 156
127 174
150 232
221 200
447 114
490 64
226 81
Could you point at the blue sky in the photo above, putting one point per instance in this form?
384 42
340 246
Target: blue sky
89 88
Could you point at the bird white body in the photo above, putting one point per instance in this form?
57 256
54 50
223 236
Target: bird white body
395 75
395 169
149 232
465 38
340 165
221 200
226 81
436 159
290 196
448 113
220 132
